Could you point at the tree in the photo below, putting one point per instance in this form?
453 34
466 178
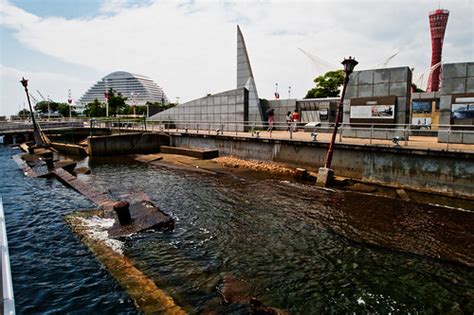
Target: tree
24 114
43 106
95 109
156 107
327 85
116 102
416 88
63 109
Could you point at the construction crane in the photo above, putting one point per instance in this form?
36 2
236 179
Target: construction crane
318 62
46 100
33 98
39 93
420 80
385 62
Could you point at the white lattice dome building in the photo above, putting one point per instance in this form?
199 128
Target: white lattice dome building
138 89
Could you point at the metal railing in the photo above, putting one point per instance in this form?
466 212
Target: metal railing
44 124
377 134
444 136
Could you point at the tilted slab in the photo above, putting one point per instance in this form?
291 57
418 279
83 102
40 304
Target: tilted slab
202 154
145 216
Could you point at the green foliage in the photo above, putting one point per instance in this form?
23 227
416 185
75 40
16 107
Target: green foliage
156 107
116 102
95 109
24 113
130 110
416 88
63 109
327 85
43 106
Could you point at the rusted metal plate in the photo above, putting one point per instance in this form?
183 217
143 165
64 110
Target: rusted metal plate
145 215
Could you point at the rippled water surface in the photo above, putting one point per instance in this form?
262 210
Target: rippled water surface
53 273
265 232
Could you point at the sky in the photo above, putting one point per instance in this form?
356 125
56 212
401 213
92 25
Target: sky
189 47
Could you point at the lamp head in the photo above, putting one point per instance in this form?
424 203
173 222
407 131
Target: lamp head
24 82
349 65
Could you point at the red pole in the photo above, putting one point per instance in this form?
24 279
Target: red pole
338 115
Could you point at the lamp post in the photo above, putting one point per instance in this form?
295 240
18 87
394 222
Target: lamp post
36 134
326 172
69 101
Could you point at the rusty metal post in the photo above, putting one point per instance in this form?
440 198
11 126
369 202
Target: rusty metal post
349 65
123 212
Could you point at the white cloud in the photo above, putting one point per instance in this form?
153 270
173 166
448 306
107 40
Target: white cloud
12 94
189 48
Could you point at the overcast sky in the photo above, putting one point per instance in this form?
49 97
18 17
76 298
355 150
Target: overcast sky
189 47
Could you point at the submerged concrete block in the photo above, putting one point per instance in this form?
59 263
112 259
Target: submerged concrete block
197 153
325 177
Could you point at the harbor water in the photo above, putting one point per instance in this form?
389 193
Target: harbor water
266 232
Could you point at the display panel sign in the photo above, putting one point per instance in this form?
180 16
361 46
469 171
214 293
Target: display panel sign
462 111
421 122
421 107
372 112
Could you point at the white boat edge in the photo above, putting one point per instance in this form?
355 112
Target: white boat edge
8 303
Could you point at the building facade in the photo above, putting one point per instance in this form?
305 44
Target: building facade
138 89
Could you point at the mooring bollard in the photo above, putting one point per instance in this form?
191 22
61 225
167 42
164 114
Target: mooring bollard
123 212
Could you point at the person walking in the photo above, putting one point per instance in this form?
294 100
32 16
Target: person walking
270 115
296 119
289 120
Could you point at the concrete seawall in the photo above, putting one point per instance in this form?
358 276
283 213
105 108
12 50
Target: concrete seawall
127 143
448 173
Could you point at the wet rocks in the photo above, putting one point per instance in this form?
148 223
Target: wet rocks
403 194
233 290
238 291
303 175
363 188
255 165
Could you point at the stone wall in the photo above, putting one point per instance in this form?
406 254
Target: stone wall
281 108
228 110
379 83
127 143
458 82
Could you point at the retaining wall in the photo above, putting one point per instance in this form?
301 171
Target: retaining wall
450 173
128 143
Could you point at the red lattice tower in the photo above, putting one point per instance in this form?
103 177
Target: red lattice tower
438 22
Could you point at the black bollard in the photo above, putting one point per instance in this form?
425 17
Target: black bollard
49 162
123 213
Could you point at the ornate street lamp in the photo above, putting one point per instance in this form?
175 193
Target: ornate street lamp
36 134
349 65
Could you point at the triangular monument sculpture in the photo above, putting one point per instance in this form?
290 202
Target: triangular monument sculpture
245 79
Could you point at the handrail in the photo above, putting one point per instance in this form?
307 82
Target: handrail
8 302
